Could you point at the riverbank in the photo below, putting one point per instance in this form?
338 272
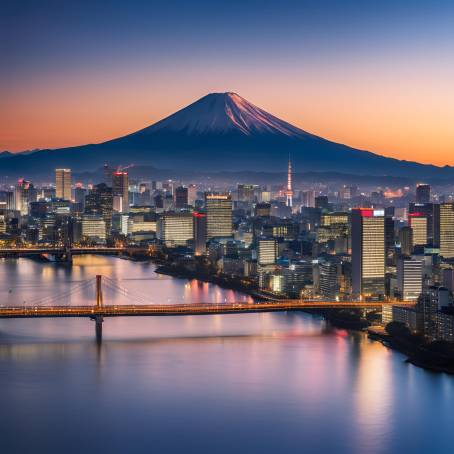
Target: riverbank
338 318
433 356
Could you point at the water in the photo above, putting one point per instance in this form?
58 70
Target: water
247 383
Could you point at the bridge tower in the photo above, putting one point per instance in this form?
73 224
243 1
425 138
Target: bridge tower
99 302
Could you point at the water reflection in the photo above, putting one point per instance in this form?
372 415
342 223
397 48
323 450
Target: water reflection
237 383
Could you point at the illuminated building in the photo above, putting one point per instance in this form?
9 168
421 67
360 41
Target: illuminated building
409 278
120 188
334 218
368 251
63 184
267 251
289 193
444 229
24 194
200 232
328 279
175 229
219 215
418 223
93 227
99 201
246 192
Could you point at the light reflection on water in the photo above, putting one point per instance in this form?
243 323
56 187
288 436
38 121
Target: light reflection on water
237 383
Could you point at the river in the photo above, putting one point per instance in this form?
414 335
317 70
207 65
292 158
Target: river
245 383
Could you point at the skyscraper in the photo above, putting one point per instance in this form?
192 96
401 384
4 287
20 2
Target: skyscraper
444 229
368 251
289 193
175 229
200 232
267 251
406 240
219 215
63 184
181 197
100 202
409 278
418 223
120 188
422 193
24 194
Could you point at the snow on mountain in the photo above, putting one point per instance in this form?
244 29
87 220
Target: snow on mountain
221 113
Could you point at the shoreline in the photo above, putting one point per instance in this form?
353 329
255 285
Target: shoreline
335 317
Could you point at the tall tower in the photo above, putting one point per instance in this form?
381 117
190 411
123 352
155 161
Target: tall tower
63 184
289 184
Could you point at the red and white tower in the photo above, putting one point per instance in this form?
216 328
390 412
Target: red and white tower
289 184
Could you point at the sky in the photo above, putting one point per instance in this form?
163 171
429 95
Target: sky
372 75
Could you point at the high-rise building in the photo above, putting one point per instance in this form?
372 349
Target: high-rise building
422 193
321 202
418 223
444 229
99 202
200 232
328 279
368 251
289 192
389 234
409 278
406 240
267 251
246 193
219 215
25 193
308 199
192 194
120 188
181 197
63 184
93 227
175 229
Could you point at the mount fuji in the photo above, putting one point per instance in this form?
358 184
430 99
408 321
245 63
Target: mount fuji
221 131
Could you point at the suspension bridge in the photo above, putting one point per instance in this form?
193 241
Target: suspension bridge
60 305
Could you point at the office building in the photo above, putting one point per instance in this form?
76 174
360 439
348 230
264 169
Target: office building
181 197
175 229
444 229
93 228
63 184
418 223
219 215
267 251
99 202
200 232
406 240
368 251
328 279
25 193
409 278
120 188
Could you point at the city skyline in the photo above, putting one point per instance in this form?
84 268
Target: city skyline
373 79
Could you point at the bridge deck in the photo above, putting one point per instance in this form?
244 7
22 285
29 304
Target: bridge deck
185 309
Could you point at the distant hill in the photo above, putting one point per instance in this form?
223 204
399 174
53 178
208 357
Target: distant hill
221 131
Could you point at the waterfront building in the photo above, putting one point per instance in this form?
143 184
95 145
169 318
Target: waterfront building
94 228
63 184
368 251
328 278
175 229
219 215
99 202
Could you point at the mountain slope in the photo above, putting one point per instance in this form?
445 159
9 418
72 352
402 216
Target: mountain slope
221 131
